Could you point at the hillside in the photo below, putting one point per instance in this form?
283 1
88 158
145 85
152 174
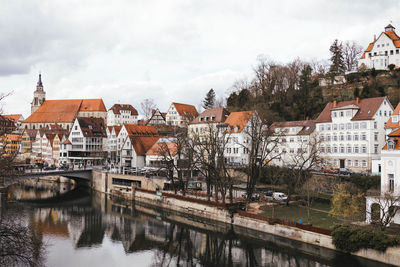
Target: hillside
365 84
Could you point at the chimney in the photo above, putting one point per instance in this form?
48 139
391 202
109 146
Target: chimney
334 103
374 37
357 100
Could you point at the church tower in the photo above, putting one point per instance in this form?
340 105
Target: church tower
38 96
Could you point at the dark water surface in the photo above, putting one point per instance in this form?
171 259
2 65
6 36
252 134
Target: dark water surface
83 228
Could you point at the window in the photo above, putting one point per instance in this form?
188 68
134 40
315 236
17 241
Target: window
328 137
348 113
341 149
341 114
334 127
328 127
236 150
335 149
363 136
355 137
363 149
349 162
363 125
376 136
376 123
356 126
341 126
321 127
376 149
321 137
334 114
328 149
384 113
356 163
348 126
380 113
356 149
322 149
334 137
364 163
348 137
283 140
391 52
391 182
341 137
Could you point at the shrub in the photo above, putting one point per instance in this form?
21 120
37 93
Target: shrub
352 239
364 183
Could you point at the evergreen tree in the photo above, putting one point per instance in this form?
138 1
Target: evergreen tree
209 100
338 66
243 98
232 100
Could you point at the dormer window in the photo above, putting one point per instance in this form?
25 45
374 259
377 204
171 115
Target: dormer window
212 118
392 144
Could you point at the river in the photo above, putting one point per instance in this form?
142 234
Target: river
80 227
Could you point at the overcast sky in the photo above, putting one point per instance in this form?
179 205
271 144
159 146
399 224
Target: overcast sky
170 50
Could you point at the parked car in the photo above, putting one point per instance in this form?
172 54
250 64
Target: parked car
48 168
268 193
279 196
345 171
254 196
330 171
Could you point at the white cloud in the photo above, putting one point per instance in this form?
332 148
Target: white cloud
167 50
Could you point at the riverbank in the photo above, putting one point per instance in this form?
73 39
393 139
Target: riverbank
250 224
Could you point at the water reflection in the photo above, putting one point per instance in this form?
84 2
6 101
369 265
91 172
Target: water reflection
91 222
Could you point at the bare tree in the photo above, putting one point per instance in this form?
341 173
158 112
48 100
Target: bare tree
352 53
389 205
147 107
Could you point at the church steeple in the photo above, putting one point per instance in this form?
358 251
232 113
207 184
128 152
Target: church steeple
39 96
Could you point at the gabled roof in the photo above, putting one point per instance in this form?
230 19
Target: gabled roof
31 132
390 123
220 114
116 108
367 109
158 148
185 110
307 126
14 117
155 112
141 144
141 130
391 34
57 111
395 133
67 142
239 119
92 127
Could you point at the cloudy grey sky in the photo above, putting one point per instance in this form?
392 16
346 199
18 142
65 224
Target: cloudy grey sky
170 50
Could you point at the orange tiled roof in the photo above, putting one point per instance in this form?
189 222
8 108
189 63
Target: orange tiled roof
14 137
390 123
14 117
140 130
158 147
117 129
391 34
141 144
58 111
185 110
116 108
239 119
367 109
397 146
220 114
67 142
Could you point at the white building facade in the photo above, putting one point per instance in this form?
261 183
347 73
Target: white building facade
383 51
352 132
120 114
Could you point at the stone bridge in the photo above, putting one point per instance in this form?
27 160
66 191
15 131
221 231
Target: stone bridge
77 175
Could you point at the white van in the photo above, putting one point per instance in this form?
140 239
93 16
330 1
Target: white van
279 196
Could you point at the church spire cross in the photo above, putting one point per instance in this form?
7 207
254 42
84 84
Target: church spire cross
39 83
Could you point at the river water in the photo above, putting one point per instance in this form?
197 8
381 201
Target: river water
84 228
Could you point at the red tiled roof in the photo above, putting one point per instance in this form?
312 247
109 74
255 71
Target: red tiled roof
220 114
395 133
141 130
117 129
141 144
14 117
67 142
158 148
367 109
185 110
116 108
239 119
58 111
390 123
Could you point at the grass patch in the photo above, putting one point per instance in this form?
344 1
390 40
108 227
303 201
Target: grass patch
295 213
